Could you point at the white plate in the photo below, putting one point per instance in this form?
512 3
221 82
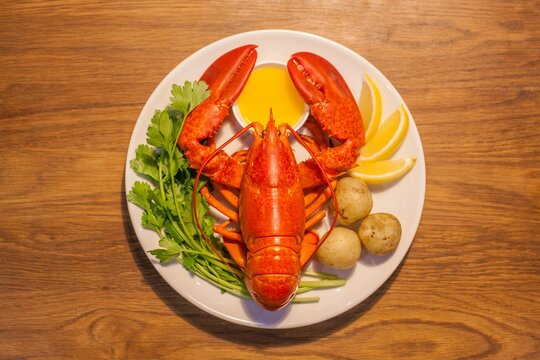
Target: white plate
404 198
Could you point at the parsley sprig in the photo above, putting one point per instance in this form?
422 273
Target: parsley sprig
167 204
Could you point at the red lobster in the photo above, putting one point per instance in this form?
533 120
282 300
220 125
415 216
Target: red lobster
274 216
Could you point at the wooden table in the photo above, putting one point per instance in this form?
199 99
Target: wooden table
74 281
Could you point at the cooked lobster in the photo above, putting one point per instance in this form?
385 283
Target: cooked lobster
265 185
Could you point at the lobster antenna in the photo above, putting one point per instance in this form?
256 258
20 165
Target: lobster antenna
326 179
195 191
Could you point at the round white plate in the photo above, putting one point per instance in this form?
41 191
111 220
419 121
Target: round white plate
403 198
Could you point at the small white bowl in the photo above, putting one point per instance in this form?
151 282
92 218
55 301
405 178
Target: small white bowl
243 122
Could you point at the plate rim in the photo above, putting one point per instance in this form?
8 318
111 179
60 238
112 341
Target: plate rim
269 32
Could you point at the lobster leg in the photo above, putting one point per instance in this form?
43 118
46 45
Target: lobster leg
312 195
232 239
240 156
309 246
321 199
231 235
237 250
231 214
319 215
230 196
226 78
313 201
312 143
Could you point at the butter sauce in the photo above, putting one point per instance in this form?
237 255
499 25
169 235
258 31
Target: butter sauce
270 87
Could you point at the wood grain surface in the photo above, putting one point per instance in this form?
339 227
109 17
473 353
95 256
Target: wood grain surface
74 281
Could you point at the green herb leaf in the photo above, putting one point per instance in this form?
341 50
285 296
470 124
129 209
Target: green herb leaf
170 245
178 161
169 250
186 97
153 220
139 194
146 162
188 261
153 135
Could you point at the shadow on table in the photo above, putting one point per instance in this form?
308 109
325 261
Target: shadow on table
262 338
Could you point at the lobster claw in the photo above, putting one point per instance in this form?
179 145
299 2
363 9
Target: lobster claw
316 79
226 78
227 75
335 110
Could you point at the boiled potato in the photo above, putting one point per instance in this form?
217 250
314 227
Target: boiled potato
354 200
341 250
380 233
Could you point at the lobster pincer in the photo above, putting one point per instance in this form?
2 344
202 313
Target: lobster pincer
226 78
335 111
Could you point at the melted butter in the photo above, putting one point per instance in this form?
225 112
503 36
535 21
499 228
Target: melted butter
270 87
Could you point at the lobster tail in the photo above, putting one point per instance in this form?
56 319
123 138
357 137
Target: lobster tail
273 272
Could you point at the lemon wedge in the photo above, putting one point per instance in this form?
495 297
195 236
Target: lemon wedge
379 172
370 105
387 138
